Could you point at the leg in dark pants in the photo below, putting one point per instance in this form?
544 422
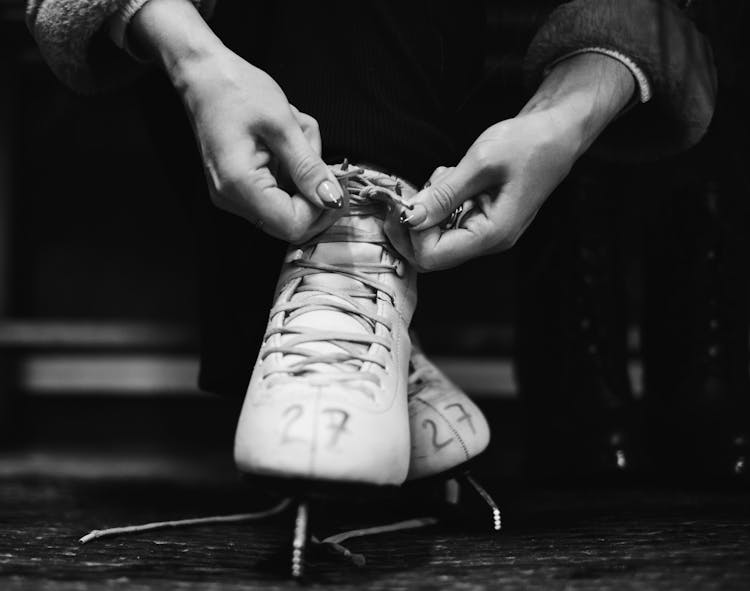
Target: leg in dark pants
237 263
571 331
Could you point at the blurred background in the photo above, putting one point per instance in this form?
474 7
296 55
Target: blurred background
98 297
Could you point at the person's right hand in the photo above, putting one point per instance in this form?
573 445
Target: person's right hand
249 135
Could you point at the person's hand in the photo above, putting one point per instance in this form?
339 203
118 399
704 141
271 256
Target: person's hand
507 174
511 169
249 136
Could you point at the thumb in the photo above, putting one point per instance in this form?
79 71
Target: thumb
435 203
313 179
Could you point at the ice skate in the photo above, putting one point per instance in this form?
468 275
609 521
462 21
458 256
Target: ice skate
447 431
339 403
327 401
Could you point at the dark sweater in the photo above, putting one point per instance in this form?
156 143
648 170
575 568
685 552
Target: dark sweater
385 80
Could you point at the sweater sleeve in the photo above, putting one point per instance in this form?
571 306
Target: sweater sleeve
658 37
73 38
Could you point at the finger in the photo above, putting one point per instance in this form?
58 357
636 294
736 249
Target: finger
398 235
493 224
254 194
326 218
294 218
435 249
438 173
310 129
434 204
313 179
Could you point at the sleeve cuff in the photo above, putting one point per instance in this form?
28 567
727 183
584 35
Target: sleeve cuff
118 23
660 41
641 80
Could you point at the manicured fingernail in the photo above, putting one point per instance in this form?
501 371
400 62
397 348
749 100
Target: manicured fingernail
330 195
412 218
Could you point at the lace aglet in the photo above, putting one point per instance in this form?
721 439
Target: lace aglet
497 520
338 549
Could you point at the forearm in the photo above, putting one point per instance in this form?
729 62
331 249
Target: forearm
583 94
174 34
658 38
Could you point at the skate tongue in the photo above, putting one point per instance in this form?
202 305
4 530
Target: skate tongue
347 253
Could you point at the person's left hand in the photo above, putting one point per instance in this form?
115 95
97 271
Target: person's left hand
508 173
512 168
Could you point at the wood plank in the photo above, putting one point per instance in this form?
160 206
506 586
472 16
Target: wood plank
553 539
159 374
64 335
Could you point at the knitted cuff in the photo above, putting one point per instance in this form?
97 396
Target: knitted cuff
118 24
641 80
659 40
72 37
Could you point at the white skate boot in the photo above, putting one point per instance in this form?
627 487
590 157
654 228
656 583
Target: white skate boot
328 396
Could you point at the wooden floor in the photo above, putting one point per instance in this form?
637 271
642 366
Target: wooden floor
552 539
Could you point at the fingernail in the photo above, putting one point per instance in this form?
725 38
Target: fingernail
414 217
330 195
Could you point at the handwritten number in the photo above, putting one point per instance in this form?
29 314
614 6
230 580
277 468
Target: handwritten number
435 443
294 413
337 424
465 416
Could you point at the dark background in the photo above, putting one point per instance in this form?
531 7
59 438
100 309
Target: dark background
92 232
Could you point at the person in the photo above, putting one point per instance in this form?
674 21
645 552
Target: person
281 89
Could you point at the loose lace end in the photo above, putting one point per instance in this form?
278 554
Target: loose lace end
234 518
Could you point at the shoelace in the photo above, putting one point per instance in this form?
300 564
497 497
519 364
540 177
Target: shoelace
356 359
333 542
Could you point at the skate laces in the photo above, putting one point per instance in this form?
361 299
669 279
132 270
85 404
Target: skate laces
358 354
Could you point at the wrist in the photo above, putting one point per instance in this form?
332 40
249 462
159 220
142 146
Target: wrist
173 33
582 95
